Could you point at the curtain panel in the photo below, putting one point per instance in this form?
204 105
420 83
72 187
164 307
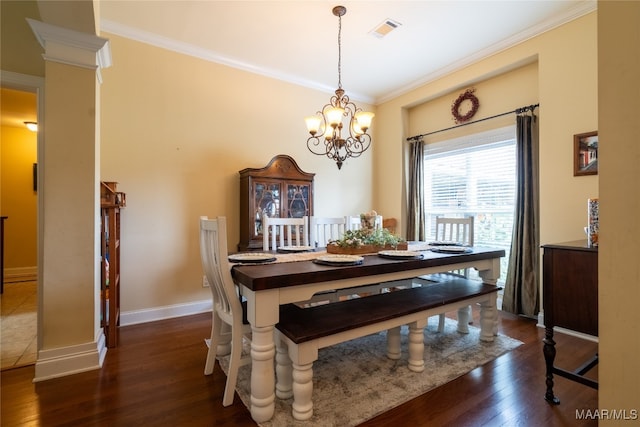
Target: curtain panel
415 210
521 292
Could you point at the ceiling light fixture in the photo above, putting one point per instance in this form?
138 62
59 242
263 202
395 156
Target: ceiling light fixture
32 126
327 123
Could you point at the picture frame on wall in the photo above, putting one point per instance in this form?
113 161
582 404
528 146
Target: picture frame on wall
585 153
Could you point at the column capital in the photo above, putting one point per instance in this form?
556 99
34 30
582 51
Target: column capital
72 47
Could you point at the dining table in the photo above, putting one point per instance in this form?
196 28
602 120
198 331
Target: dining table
296 277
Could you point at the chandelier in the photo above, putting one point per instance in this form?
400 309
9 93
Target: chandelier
326 125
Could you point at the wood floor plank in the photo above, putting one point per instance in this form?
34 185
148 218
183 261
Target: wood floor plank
156 378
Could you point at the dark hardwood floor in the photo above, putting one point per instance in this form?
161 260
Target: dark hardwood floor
155 378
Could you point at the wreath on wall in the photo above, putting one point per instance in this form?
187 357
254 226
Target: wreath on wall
467 95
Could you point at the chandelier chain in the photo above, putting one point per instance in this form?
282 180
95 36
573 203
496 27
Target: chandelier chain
340 51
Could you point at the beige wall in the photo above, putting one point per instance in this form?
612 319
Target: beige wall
505 92
566 88
175 132
20 52
19 201
619 269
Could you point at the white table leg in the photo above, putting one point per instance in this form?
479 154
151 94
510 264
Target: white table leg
224 345
488 319
262 374
491 277
464 317
393 343
416 345
302 391
284 371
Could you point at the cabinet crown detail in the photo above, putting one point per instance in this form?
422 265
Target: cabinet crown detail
280 167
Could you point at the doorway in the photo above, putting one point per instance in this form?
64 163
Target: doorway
19 202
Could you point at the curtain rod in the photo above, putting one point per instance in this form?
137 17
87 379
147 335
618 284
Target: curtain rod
517 111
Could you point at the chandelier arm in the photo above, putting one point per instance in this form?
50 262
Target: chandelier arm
356 146
314 143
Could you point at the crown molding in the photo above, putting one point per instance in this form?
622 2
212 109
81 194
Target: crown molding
72 47
211 56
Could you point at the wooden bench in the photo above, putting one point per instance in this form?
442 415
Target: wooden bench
301 332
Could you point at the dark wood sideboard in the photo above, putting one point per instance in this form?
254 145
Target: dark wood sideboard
570 301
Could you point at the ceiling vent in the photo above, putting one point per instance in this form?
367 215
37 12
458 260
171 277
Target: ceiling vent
384 28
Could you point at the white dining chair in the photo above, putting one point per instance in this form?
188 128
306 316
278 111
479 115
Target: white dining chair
278 232
460 231
324 229
354 222
229 323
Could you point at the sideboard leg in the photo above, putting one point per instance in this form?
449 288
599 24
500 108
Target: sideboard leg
549 351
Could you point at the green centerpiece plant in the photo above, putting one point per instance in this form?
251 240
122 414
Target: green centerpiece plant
379 237
367 239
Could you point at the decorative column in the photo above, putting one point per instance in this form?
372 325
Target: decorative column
70 339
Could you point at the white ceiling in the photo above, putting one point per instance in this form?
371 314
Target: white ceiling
296 41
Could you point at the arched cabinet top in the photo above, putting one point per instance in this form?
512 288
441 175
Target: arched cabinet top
279 167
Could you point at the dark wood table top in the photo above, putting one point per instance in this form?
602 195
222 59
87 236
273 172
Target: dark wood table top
278 275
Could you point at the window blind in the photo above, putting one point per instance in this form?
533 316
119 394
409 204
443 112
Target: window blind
474 176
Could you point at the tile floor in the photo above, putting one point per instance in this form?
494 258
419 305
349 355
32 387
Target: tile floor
18 324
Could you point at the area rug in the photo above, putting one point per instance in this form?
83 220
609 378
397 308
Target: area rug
355 381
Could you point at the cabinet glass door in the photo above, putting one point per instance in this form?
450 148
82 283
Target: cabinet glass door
298 200
267 201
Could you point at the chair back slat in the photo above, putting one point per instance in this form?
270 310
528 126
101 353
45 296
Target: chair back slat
278 232
324 229
458 230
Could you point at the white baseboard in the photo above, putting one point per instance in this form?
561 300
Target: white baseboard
167 312
540 320
63 361
565 331
20 274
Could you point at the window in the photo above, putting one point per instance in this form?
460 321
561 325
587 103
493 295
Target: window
474 175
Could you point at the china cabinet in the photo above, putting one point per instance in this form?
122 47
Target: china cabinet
279 189
111 202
